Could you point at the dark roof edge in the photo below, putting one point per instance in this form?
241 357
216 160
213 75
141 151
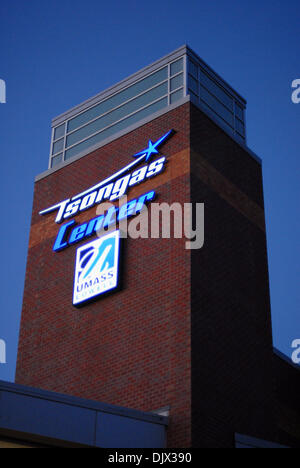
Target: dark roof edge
83 403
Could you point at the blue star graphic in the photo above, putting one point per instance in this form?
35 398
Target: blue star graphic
152 147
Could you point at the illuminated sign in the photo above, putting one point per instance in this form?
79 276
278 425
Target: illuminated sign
97 263
115 186
69 234
96 268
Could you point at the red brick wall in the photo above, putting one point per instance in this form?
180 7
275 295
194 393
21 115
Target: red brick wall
131 348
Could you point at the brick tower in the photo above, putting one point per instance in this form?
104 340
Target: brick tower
186 329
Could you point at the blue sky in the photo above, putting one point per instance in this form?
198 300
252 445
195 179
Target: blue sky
56 54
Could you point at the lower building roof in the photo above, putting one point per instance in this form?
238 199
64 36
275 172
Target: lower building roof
57 419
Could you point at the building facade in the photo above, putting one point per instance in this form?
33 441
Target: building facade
177 328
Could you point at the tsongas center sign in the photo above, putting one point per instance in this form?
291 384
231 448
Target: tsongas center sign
97 263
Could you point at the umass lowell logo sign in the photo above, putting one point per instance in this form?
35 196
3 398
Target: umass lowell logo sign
96 268
97 263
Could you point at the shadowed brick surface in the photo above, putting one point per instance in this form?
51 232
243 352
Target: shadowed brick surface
232 388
